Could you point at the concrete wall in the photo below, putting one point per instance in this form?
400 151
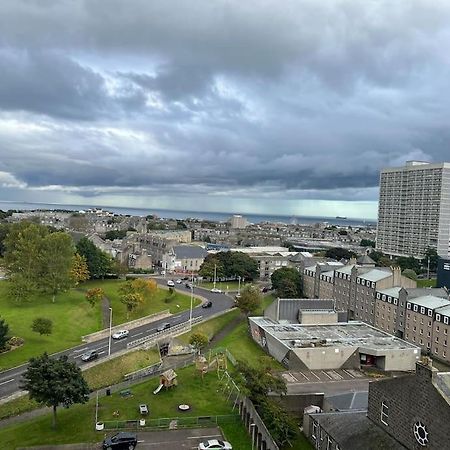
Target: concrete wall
319 358
313 317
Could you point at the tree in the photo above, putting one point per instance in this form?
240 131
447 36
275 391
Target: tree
287 282
367 243
198 341
339 253
42 326
432 256
282 426
115 234
53 382
208 265
249 300
145 287
56 263
94 296
409 273
22 259
4 230
131 300
98 262
79 271
4 328
408 262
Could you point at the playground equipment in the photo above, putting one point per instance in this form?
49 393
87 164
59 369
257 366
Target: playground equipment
217 360
167 379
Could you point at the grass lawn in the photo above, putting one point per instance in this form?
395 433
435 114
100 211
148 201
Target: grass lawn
426 283
72 317
176 303
77 423
112 372
17 406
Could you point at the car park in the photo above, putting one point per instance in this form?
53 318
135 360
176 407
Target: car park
215 444
207 304
120 334
170 283
163 326
143 409
121 441
89 356
216 291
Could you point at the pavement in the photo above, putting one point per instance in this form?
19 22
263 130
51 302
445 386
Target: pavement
162 440
10 379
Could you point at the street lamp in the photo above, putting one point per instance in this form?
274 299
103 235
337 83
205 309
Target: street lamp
239 287
192 298
110 331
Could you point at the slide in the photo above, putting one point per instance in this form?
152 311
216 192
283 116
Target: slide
158 389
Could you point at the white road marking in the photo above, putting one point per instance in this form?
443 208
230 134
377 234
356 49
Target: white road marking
7 381
326 374
304 376
138 334
312 373
202 436
348 373
80 350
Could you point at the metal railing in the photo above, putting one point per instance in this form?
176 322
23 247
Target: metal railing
171 422
177 329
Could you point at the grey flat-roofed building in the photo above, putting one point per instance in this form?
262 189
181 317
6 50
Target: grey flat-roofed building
414 209
332 346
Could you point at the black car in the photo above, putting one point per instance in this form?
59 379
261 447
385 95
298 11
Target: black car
207 304
126 441
163 326
89 356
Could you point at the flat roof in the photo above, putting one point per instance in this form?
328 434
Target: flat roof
375 275
430 301
392 292
351 334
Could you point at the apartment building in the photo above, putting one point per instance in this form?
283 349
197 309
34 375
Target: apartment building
414 209
319 279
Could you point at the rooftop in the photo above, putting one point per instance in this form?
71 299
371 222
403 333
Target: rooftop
189 252
352 334
392 292
430 301
375 275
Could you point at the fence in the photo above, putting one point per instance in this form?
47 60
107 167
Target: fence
173 331
172 422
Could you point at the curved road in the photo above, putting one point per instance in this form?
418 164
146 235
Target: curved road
10 379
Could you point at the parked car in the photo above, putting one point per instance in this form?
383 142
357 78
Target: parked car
163 326
120 334
143 409
207 304
122 440
216 291
179 281
170 283
163 272
188 285
89 356
215 444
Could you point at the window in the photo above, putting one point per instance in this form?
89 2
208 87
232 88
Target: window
384 413
446 320
395 301
430 312
437 327
422 310
415 308
438 317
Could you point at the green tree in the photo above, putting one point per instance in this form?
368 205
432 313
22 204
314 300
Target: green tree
207 267
4 230
115 234
198 341
94 296
99 263
339 253
408 262
54 382
56 263
367 243
409 273
432 256
132 300
42 326
287 282
23 259
4 328
249 300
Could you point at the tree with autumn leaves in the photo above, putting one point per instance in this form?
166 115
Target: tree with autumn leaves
134 293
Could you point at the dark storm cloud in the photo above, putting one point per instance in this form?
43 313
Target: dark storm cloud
283 99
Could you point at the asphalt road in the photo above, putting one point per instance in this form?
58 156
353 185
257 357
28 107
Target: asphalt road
10 379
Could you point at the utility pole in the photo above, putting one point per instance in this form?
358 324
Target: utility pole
110 331
428 268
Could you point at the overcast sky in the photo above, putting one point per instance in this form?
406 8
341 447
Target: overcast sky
264 106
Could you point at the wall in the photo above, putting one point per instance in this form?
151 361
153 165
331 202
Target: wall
325 357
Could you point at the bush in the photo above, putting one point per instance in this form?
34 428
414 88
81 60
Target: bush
16 341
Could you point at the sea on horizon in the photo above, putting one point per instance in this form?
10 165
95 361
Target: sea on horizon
203 215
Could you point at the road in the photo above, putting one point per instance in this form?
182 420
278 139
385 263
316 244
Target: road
10 379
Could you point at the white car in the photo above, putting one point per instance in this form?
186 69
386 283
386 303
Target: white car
215 444
179 281
216 291
170 283
120 334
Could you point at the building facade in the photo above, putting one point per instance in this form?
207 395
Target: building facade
414 209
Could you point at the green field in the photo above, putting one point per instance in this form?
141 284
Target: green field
426 283
72 317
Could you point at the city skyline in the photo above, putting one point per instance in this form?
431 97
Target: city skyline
257 108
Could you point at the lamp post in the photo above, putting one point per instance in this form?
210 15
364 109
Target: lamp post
239 286
110 331
192 298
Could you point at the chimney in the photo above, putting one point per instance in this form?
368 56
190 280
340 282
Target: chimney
352 261
396 276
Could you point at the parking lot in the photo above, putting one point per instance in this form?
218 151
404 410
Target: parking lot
317 376
164 440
